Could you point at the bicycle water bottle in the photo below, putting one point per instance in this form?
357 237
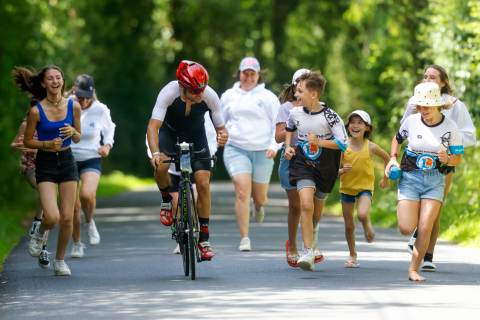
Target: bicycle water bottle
185 158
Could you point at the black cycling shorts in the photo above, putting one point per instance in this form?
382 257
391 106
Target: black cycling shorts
175 182
167 138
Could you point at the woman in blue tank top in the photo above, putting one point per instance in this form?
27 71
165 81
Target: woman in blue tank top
57 122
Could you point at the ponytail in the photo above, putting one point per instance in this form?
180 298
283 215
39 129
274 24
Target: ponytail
31 82
287 94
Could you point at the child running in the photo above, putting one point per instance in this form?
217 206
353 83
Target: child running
314 164
434 144
358 179
287 97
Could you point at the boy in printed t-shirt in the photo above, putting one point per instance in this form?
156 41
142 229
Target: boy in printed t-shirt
314 164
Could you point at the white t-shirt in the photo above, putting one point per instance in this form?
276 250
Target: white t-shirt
96 121
282 117
425 140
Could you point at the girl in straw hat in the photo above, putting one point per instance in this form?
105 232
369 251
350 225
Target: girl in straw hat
434 145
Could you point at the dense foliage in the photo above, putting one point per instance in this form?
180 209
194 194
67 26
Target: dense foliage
372 53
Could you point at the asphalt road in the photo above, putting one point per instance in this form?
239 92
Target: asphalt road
133 273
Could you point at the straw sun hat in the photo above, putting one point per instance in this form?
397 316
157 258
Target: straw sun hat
427 95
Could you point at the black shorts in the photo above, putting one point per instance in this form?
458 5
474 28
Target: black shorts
167 139
175 181
56 167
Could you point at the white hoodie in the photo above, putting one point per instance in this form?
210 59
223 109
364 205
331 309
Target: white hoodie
250 117
96 121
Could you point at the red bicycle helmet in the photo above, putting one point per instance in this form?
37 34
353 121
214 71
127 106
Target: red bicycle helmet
193 76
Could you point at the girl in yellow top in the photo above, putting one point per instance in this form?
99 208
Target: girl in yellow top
357 179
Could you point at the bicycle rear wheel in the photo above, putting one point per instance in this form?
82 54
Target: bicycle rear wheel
191 240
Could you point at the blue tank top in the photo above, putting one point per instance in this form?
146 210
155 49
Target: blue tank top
48 130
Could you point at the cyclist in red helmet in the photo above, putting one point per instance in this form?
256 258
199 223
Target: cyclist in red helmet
179 113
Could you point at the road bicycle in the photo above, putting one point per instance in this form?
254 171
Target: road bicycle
185 225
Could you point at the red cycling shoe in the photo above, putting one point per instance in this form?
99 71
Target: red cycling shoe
166 213
205 250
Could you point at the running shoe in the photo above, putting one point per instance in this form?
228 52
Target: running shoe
166 213
411 242
259 215
36 242
60 268
245 244
43 259
206 251
33 227
77 250
93 236
306 261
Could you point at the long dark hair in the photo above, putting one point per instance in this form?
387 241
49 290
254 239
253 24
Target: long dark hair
288 93
448 88
31 82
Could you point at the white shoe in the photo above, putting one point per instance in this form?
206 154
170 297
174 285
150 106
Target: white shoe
306 261
77 250
259 215
93 236
33 227
411 242
428 266
245 244
177 249
36 242
60 268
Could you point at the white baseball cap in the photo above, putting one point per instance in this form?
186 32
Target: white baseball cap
427 95
249 63
299 73
362 114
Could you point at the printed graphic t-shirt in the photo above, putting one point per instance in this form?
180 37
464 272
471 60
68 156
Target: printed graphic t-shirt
312 162
425 140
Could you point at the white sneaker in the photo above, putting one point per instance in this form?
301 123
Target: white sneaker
306 260
411 242
36 242
93 236
60 268
77 250
177 249
33 227
259 215
245 244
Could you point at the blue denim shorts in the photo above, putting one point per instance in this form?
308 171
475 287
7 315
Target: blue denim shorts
346 198
93 165
243 161
283 173
418 184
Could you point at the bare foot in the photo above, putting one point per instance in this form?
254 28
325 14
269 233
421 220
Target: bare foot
414 276
369 232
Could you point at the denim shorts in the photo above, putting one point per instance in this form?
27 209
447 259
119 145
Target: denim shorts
418 184
93 165
283 173
56 167
242 161
346 198
306 183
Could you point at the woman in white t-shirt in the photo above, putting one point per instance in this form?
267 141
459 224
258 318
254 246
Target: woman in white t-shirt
434 145
96 124
250 111
459 114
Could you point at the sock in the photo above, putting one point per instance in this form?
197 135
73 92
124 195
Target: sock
204 232
56 260
44 247
415 234
308 249
428 257
35 219
90 223
166 197
77 243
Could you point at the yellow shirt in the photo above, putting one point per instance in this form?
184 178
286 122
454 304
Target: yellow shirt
361 177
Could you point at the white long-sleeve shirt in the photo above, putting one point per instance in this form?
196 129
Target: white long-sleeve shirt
96 121
459 114
250 117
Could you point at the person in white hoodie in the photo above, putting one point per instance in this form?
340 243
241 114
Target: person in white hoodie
96 121
250 112
459 114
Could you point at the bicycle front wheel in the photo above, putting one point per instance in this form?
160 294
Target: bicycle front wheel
191 240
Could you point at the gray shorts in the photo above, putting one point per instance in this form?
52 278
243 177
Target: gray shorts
307 183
